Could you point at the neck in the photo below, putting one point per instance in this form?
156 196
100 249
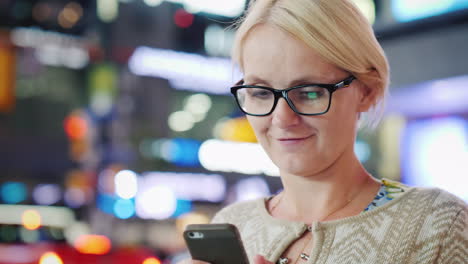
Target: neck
333 193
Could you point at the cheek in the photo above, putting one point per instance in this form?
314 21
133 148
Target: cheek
345 109
259 125
340 126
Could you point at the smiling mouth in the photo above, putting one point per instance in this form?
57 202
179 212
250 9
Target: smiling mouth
293 139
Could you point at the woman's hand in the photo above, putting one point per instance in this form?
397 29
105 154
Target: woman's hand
261 260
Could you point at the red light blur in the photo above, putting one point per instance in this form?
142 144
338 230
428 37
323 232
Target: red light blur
183 19
75 127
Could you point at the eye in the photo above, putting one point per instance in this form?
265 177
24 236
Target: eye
260 93
311 93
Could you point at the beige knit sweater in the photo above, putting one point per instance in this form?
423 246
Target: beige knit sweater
420 226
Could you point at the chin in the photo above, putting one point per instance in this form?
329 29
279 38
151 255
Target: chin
298 167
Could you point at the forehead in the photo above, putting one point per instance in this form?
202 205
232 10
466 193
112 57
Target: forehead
273 54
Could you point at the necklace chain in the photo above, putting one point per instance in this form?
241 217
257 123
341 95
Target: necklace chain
302 255
332 212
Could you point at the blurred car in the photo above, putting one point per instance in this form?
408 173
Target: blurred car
31 240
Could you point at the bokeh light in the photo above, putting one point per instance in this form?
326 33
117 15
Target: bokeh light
93 244
199 105
158 202
181 121
70 15
50 258
126 184
75 126
183 19
181 151
151 260
47 194
75 197
124 208
13 192
107 10
31 219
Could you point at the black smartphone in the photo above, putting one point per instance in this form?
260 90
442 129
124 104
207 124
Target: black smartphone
215 243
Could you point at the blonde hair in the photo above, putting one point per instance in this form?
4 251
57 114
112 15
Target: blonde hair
336 29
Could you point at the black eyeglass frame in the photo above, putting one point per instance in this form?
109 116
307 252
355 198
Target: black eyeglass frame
284 94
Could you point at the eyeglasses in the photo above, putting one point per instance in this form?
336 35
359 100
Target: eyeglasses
306 99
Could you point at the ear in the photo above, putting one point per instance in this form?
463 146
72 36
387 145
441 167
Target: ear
367 96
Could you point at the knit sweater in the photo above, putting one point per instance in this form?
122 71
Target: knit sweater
420 226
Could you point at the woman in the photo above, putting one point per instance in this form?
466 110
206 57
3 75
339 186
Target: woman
327 70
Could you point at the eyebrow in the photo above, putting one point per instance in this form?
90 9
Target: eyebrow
299 81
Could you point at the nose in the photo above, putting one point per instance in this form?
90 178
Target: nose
283 116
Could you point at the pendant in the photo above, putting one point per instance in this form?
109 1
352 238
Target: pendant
283 261
305 257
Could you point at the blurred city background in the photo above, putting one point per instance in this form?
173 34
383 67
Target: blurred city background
117 129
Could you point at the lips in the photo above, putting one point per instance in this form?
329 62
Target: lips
294 142
293 138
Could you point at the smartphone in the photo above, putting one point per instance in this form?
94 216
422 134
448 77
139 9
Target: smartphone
215 243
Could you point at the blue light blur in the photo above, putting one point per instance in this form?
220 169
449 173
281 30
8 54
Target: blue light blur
182 152
105 203
111 204
13 192
124 208
409 10
183 207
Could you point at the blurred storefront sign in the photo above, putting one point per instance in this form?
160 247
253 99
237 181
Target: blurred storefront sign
160 195
246 158
49 215
444 96
7 74
185 71
53 48
187 186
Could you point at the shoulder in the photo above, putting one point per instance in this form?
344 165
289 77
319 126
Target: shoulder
438 198
436 208
239 212
428 205
441 221
424 196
